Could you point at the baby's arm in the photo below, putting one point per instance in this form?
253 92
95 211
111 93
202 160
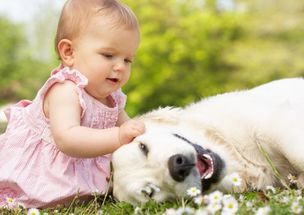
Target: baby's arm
62 107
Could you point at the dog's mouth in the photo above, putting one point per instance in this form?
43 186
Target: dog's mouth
209 164
205 165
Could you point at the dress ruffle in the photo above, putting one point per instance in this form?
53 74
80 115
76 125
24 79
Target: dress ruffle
67 74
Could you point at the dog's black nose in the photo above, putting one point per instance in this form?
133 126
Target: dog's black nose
180 166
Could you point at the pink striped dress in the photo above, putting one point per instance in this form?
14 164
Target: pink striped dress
32 169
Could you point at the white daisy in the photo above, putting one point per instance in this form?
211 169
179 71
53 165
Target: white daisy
33 211
230 205
292 179
193 192
215 197
263 211
235 179
241 198
296 207
198 200
249 205
100 212
170 211
96 192
214 207
285 199
227 197
201 211
184 211
11 203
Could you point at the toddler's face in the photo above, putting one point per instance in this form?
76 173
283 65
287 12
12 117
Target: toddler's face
104 54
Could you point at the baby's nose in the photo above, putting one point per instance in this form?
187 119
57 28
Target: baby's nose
120 65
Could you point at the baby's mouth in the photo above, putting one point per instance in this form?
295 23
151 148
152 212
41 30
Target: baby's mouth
113 80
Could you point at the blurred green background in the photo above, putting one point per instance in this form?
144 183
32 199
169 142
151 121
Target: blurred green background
189 49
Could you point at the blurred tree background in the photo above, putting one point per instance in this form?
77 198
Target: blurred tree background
189 49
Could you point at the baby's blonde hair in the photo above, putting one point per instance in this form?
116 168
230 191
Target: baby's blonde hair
76 15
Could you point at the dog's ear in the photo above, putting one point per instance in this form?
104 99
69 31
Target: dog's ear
166 115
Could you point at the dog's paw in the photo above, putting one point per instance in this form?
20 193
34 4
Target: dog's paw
149 190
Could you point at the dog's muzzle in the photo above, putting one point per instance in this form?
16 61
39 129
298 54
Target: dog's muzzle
209 165
180 166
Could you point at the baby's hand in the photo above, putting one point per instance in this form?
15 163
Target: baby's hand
129 130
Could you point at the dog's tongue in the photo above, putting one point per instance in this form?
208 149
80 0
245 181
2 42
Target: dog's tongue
201 166
204 165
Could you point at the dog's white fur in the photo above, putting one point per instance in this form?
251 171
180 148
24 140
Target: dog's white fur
233 125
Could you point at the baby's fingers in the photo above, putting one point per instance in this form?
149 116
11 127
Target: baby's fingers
139 127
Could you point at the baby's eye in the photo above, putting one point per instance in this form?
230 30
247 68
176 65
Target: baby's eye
107 55
128 60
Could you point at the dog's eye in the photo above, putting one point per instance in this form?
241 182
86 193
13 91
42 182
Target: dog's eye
143 148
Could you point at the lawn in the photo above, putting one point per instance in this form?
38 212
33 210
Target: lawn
2 127
272 201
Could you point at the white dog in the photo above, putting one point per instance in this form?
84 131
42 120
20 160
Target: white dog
253 133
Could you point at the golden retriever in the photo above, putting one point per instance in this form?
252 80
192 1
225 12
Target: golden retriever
256 133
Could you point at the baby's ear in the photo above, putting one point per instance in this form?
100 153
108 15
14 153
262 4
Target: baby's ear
66 52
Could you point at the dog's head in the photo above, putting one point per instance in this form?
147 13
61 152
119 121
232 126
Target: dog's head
161 165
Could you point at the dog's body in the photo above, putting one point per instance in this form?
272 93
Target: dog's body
237 131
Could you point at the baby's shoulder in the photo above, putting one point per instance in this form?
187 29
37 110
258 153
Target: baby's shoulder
61 94
66 88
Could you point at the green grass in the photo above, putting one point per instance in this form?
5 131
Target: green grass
277 201
2 127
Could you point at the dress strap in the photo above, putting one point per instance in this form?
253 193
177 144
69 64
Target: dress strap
59 76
